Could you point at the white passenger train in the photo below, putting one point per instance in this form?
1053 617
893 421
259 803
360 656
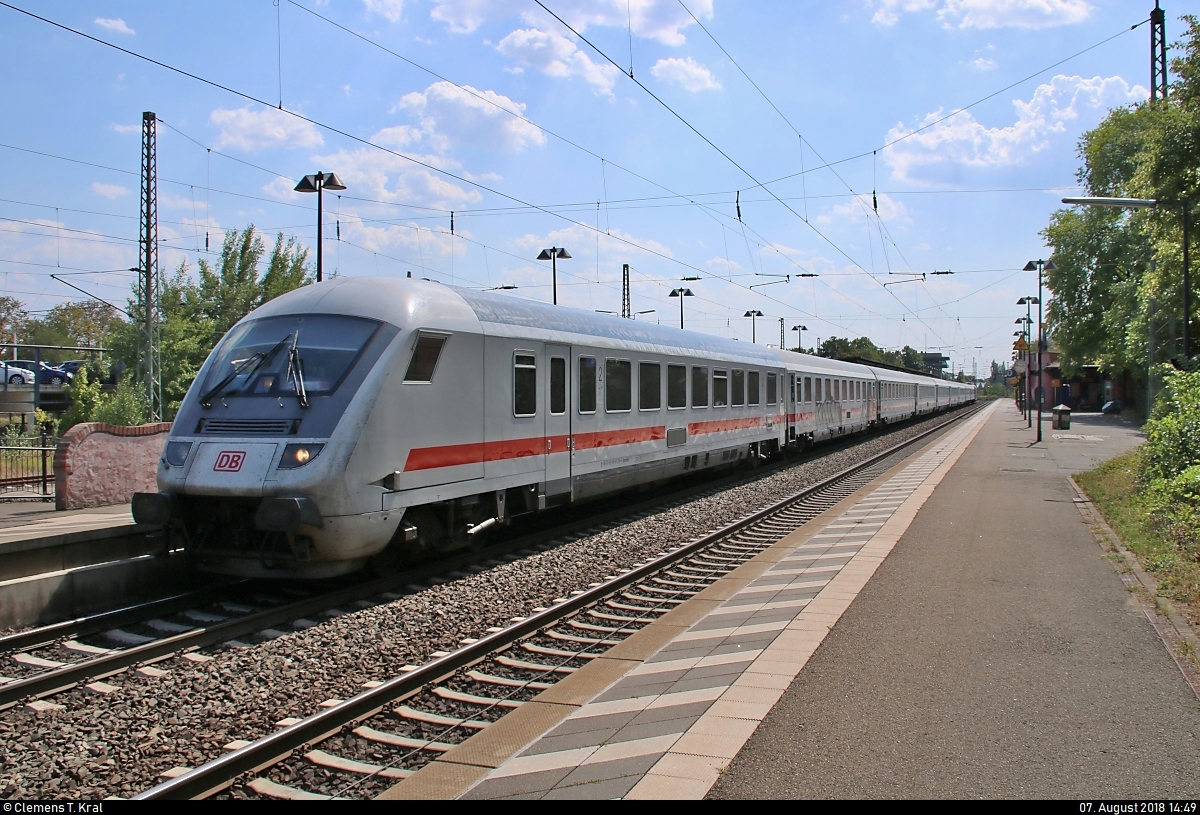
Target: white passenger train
374 418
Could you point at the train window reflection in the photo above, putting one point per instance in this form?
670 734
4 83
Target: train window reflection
587 384
256 359
738 388
699 386
524 385
424 358
771 391
618 391
676 386
720 388
753 396
649 386
558 385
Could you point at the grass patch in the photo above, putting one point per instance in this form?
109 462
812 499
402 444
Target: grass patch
1113 488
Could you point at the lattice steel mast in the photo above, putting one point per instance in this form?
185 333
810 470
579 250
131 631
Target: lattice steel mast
149 365
1158 53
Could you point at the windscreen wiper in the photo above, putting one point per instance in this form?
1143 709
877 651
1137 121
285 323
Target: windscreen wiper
295 372
248 367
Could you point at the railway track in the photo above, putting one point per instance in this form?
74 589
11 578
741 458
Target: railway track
356 748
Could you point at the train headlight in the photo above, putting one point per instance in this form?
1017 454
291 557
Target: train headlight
176 452
297 455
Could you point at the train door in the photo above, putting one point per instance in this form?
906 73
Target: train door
558 419
791 410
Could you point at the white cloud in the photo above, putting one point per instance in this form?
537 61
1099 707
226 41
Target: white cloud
390 10
450 116
372 173
688 73
125 130
962 140
888 11
116 26
889 210
985 14
723 265
246 129
555 55
464 16
109 191
661 20
983 64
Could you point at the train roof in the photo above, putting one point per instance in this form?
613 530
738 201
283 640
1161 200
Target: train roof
412 303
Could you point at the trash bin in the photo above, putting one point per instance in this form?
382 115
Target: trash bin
1062 417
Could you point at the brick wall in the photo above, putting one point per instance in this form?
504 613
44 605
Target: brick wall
99 464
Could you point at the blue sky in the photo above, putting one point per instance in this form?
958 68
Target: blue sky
497 111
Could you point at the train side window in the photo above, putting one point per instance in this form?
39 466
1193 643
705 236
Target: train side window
649 386
752 390
558 385
720 387
424 357
676 386
587 384
524 384
828 391
699 386
808 389
737 382
818 389
837 390
618 392
771 389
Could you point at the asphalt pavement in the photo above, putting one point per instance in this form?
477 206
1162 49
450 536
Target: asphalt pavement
995 653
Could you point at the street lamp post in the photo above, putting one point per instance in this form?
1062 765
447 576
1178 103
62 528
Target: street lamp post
553 254
318 183
1049 266
801 329
681 293
1153 203
753 315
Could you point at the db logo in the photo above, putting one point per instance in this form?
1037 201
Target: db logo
229 461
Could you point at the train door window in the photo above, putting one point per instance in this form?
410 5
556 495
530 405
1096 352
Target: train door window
649 386
618 390
587 384
771 389
737 388
558 385
676 386
524 384
720 387
424 358
752 392
808 389
792 388
699 386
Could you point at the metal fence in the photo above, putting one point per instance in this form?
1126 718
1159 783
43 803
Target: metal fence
26 466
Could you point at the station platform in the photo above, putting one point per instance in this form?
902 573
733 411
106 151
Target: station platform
36 523
951 630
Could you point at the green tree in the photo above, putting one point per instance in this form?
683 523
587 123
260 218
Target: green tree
197 312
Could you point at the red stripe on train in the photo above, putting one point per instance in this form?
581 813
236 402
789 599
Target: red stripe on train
454 455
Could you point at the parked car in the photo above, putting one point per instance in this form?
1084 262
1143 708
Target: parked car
16 376
46 374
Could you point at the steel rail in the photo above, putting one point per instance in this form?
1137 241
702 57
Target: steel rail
223 771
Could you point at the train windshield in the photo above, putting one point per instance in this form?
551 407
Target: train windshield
293 355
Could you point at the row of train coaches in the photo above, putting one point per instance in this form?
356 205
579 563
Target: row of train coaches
429 412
